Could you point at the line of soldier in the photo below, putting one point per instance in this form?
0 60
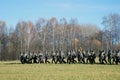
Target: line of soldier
81 56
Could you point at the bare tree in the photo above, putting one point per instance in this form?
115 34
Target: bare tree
112 27
3 40
53 23
40 25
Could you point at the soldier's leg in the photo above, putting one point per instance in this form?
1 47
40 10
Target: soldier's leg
52 61
78 60
94 61
56 61
75 61
68 60
45 60
23 61
35 60
87 60
105 61
63 61
109 60
83 60
114 60
48 61
117 60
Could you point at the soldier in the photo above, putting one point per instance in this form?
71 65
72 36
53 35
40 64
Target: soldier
117 57
34 57
103 57
53 56
81 56
27 57
30 57
78 56
93 55
88 56
63 57
40 56
73 57
113 56
46 58
58 57
22 59
109 56
69 57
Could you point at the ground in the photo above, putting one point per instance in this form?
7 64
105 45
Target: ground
13 70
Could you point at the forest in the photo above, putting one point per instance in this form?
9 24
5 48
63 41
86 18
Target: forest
53 34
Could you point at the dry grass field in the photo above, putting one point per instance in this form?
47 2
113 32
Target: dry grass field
13 70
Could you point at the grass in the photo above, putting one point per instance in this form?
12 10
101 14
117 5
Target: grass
13 70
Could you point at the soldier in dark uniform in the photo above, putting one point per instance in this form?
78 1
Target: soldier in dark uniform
26 57
53 57
46 57
22 59
81 56
73 57
63 57
88 56
109 56
113 56
69 57
117 57
100 52
93 55
34 57
40 56
103 57
78 56
58 57
31 57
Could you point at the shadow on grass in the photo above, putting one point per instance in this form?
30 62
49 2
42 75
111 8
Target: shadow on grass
103 64
17 62
12 63
9 62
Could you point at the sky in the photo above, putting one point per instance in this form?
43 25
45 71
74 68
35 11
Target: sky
85 11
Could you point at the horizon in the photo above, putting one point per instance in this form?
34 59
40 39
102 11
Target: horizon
85 11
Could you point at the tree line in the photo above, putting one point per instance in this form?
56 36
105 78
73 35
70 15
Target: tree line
53 34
